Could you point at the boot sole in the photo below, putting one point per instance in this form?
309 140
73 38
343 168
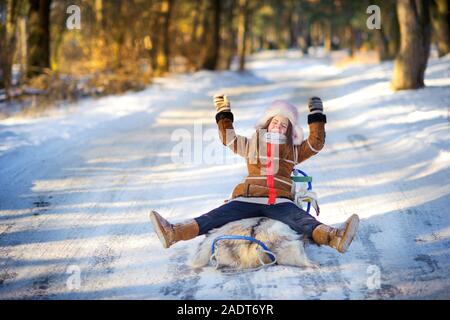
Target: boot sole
349 234
158 229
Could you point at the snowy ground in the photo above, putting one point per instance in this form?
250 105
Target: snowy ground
77 187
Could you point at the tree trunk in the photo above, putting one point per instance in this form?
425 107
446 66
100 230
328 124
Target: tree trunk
382 45
3 45
448 15
244 21
388 37
328 41
155 40
38 37
192 51
440 16
350 40
166 40
213 38
293 25
394 35
160 52
196 20
8 27
205 27
22 47
415 32
305 39
230 44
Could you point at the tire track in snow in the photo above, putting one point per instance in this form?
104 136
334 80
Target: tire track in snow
183 284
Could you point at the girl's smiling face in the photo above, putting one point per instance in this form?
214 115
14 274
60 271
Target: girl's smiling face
278 124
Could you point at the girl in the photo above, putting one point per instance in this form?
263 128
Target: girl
271 153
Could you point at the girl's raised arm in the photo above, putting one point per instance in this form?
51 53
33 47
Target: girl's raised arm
224 119
316 139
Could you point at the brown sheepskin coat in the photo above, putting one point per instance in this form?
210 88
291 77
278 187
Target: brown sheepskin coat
254 150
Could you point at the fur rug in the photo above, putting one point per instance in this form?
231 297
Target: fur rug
285 243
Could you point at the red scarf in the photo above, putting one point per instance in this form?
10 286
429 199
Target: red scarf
269 172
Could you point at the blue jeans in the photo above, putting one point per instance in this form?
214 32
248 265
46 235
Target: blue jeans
289 213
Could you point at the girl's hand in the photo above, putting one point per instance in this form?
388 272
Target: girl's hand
221 103
315 105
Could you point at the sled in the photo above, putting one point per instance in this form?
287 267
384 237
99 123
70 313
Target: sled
304 196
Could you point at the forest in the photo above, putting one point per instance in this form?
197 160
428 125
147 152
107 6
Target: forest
60 50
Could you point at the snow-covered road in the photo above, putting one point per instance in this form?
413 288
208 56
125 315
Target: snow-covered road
76 187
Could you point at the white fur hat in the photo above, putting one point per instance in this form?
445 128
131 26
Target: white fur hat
285 109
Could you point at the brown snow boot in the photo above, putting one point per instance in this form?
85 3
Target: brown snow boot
337 238
169 233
